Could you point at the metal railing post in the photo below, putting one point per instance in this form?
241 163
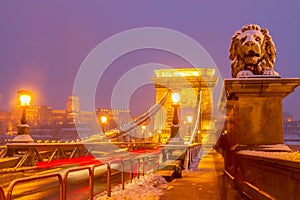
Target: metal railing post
191 152
157 163
188 158
108 174
61 186
131 170
143 166
64 196
91 184
138 168
192 155
123 175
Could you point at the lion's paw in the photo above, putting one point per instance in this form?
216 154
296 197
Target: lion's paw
244 73
270 72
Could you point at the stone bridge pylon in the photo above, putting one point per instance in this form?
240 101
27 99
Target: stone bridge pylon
196 88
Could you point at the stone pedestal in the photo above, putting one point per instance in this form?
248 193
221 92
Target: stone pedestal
177 139
22 139
254 109
23 134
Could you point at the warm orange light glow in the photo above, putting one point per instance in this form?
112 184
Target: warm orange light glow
25 99
143 127
175 97
103 119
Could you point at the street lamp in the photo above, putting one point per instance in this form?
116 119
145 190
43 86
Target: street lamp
189 120
176 104
103 119
23 128
175 135
143 132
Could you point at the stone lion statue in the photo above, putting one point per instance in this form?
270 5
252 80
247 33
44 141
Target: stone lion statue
252 52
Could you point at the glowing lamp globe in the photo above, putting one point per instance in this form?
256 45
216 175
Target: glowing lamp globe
175 98
189 119
25 99
103 119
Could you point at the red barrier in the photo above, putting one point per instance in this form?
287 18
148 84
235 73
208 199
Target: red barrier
84 160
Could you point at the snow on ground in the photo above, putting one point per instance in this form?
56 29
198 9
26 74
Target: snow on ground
268 147
148 187
291 156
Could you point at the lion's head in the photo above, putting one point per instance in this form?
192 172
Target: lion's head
252 49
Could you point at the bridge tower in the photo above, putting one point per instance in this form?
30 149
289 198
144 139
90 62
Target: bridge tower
196 88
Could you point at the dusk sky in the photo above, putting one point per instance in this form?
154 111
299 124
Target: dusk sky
43 43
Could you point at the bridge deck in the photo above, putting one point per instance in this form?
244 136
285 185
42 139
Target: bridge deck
206 182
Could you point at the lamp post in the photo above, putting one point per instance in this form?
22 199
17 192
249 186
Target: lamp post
189 120
143 132
103 119
23 127
175 135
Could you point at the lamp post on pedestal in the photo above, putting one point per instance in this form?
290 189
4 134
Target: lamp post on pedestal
143 132
23 127
175 137
103 123
189 120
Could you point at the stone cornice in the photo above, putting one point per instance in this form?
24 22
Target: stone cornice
185 82
259 87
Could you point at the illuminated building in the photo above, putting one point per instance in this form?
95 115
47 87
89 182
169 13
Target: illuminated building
58 117
36 115
73 107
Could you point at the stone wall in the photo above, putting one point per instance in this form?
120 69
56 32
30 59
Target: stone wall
268 176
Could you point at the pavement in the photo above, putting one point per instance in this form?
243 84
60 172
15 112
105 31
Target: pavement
204 181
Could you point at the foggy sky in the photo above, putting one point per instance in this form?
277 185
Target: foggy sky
43 43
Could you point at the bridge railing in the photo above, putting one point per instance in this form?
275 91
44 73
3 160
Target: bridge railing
192 153
185 153
142 168
138 165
